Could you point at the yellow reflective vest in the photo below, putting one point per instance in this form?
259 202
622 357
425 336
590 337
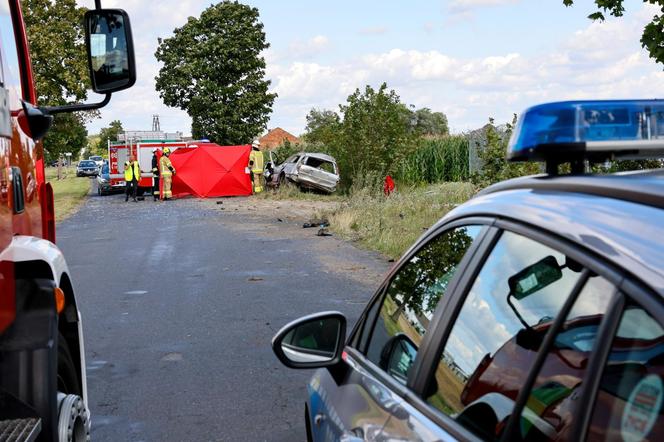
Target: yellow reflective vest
165 166
257 157
132 170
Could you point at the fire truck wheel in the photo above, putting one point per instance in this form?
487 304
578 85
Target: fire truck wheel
73 419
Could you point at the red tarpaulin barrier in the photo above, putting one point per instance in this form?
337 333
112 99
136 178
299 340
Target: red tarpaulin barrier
210 170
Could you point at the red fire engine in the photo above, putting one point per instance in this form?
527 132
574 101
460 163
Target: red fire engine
43 394
119 152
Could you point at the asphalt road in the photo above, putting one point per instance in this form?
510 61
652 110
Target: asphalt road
180 300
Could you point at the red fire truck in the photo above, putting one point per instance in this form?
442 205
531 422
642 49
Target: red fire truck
119 152
43 394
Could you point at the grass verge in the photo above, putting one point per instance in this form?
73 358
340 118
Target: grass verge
391 224
68 191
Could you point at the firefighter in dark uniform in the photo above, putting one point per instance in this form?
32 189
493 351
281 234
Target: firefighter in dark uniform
155 174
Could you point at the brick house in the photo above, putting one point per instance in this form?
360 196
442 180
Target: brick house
275 137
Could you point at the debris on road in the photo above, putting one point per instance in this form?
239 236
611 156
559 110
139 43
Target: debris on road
220 202
316 223
323 232
254 278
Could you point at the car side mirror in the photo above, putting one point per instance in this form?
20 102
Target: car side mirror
110 50
398 356
313 341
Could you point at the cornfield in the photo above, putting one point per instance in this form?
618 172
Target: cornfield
436 160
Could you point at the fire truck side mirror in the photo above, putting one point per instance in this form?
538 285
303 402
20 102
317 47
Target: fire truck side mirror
110 50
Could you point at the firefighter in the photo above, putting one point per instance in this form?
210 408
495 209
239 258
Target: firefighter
132 174
155 174
166 172
256 166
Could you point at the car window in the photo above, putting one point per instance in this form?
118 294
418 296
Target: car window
549 410
628 405
411 299
521 286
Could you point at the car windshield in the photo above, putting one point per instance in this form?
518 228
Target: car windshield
96 158
87 164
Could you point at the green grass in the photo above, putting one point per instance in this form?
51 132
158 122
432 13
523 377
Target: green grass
68 192
391 224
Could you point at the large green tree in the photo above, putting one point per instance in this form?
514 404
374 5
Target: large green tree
57 48
652 38
107 134
430 123
213 69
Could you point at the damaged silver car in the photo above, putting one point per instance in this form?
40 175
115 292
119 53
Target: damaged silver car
307 170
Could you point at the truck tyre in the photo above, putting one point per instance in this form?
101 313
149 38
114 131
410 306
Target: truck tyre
73 417
68 382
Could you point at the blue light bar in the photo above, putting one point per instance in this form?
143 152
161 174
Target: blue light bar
589 130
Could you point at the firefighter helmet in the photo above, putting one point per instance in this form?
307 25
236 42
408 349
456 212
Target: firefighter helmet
167 151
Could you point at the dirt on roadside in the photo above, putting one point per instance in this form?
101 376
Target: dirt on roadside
284 219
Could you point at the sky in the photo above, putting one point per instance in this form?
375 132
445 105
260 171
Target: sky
471 59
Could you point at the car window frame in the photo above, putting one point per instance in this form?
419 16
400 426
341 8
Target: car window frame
455 299
406 392
630 289
378 297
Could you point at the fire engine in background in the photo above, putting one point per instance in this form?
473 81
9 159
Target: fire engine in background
119 152
43 394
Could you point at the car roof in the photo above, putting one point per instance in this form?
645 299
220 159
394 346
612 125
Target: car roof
619 217
320 156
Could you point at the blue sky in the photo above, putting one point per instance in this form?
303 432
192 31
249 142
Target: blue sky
472 59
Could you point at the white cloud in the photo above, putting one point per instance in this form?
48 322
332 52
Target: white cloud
602 60
310 48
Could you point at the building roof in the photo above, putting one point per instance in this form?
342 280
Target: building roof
275 137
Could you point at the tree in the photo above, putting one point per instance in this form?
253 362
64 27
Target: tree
68 134
376 132
652 38
495 166
323 127
213 70
56 37
109 133
430 123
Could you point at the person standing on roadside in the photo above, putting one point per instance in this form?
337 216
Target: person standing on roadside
256 166
166 172
132 174
155 175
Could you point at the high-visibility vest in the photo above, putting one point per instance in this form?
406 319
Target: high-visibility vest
165 166
134 170
257 157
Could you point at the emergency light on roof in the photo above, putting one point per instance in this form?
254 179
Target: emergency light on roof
597 131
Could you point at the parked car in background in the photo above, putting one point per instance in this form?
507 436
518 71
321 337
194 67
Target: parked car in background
87 168
307 170
99 161
533 312
104 183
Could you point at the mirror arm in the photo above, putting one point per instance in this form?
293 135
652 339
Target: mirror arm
516 312
97 4
76 107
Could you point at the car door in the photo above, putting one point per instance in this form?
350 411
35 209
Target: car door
514 354
319 172
358 398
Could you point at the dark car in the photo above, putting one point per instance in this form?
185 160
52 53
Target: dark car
532 312
87 168
104 184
